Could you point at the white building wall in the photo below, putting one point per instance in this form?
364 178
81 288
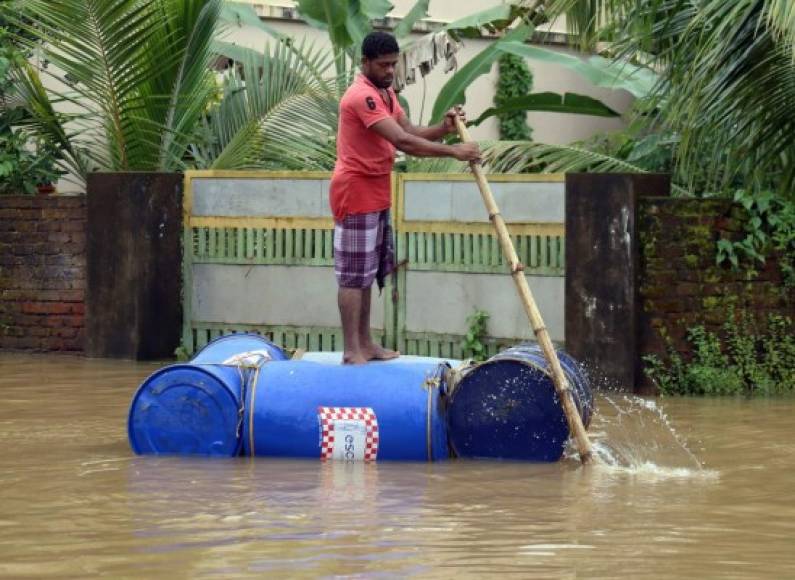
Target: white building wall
553 128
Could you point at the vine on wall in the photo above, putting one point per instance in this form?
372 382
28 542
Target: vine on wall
515 80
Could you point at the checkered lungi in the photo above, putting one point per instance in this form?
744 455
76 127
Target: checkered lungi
364 250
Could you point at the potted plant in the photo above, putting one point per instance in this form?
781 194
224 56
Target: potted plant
15 160
44 169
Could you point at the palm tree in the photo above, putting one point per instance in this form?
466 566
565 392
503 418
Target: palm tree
278 110
727 81
138 80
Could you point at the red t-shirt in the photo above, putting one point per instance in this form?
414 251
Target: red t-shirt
361 179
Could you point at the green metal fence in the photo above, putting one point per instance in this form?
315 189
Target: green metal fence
457 248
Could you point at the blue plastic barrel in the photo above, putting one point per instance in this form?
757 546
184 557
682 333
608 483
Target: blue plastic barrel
196 408
507 407
381 410
188 409
222 348
335 358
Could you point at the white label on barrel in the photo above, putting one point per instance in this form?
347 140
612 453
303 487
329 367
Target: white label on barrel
348 433
349 439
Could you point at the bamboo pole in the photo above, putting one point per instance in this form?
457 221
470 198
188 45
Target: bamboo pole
526 296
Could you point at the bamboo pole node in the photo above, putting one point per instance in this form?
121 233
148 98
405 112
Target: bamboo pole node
493 216
518 267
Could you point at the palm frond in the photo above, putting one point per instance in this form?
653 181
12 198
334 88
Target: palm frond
781 18
98 47
139 66
733 94
277 109
191 26
46 123
435 165
727 80
532 157
528 156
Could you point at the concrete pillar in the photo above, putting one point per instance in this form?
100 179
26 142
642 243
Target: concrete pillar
602 273
133 261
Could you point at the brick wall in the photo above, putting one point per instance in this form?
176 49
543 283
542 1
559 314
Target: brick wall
42 273
681 286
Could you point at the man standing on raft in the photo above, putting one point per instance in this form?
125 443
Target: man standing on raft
372 125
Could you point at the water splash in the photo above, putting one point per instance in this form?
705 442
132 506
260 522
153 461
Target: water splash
633 435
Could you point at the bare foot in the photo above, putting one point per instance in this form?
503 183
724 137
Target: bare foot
376 352
354 358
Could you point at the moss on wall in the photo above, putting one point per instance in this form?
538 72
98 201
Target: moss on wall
682 286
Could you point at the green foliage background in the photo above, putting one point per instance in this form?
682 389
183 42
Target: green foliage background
25 162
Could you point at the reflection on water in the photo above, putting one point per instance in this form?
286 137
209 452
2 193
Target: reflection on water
684 488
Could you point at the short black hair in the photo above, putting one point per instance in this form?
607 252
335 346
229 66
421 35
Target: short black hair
378 44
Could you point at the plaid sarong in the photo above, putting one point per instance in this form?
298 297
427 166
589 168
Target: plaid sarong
363 249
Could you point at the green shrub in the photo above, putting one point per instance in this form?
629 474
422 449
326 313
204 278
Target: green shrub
708 380
24 163
23 166
744 361
473 345
770 227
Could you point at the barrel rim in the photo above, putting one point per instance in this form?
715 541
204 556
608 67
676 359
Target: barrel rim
200 368
579 388
459 374
231 335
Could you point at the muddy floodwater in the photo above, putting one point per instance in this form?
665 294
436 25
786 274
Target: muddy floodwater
685 488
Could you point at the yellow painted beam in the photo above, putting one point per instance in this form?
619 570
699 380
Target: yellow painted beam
283 223
517 229
255 174
496 178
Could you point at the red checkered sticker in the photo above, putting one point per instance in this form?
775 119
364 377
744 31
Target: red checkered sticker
348 433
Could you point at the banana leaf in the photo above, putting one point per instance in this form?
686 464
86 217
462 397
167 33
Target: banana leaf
602 72
551 103
453 91
417 12
494 18
347 21
239 14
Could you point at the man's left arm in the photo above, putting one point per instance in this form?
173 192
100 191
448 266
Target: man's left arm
433 132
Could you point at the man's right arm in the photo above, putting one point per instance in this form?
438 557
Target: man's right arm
390 130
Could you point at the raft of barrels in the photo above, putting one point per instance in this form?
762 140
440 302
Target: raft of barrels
243 395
